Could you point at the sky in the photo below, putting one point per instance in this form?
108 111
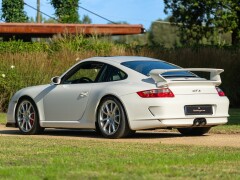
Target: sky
131 11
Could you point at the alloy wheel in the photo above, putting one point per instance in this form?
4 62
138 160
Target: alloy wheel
109 117
26 116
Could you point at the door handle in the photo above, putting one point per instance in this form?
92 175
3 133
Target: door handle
83 94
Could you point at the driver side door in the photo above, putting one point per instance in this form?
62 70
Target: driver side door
68 100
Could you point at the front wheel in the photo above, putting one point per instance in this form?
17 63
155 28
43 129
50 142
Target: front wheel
27 117
111 119
196 131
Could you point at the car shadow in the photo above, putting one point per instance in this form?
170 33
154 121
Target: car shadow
92 134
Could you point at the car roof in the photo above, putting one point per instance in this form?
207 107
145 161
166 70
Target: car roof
121 59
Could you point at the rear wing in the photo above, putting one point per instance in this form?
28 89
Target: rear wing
156 74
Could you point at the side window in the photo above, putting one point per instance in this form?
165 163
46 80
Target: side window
84 73
112 74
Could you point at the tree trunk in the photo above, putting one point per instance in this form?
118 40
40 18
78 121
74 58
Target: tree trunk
234 37
236 32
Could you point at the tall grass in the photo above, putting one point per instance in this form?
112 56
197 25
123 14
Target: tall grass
36 63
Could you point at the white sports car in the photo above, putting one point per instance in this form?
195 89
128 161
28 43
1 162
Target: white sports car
118 95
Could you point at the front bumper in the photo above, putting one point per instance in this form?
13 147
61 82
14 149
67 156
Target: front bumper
10 124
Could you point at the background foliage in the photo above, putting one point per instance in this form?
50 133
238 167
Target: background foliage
169 35
197 19
13 11
66 10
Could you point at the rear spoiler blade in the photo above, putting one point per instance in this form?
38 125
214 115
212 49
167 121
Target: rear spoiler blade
156 74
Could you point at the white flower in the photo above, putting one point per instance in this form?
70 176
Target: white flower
3 75
12 66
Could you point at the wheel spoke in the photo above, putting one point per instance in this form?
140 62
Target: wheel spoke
29 108
104 112
113 127
26 107
107 108
109 129
22 108
116 116
24 121
29 124
20 119
26 126
117 122
115 109
111 107
105 119
105 125
32 116
22 125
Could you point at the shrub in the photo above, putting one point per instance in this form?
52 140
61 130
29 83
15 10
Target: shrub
20 46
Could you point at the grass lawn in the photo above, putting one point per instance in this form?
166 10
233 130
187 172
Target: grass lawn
233 125
3 118
29 157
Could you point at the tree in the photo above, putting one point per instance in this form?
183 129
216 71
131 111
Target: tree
43 20
13 11
163 33
86 20
66 10
198 19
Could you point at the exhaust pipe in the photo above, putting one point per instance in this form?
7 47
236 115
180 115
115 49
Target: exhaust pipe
199 122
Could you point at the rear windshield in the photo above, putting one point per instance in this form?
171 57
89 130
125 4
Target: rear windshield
144 67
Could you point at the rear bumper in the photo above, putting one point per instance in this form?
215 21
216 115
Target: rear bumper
175 123
150 113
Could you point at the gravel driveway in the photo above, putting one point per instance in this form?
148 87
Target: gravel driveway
219 140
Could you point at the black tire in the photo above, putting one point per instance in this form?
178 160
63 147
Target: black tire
195 131
111 119
97 130
130 133
27 118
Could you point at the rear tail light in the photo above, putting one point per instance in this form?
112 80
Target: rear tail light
155 93
220 92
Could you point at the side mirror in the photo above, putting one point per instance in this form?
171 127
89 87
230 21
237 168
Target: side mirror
56 80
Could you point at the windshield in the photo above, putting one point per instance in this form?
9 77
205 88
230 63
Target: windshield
144 67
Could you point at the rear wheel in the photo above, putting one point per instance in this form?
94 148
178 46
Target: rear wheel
111 119
27 117
196 131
